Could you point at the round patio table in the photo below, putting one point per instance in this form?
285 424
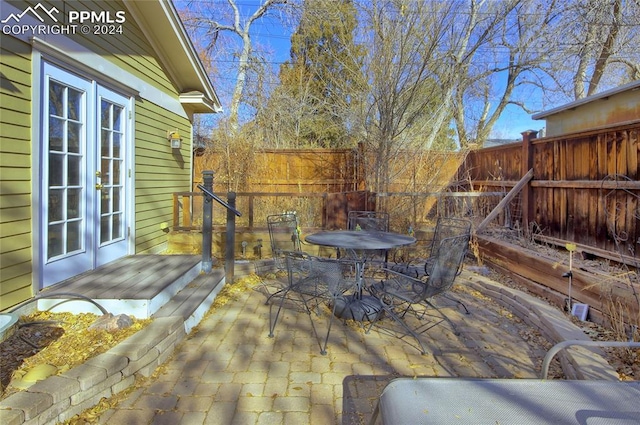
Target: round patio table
357 242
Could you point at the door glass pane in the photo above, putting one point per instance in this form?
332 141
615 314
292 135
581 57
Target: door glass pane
73 135
73 170
74 104
74 236
105 172
55 240
105 143
56 99
73 203
56 134
105 201
56 205
116 172
116 199
117 116
65 173
117 226
105 114
105 234
56 169
116 145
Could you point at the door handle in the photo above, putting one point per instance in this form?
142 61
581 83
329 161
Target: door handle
98 185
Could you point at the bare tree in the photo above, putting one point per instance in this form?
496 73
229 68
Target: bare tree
400 82
555 47
506 59
211 22
422 63
596 47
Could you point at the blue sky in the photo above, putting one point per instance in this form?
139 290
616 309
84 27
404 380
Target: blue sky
514 121
269 32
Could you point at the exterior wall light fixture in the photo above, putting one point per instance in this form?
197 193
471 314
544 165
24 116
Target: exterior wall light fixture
174 139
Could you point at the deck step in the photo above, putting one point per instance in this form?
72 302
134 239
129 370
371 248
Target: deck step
137 285
194 300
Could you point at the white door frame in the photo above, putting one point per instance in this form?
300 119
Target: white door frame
46 272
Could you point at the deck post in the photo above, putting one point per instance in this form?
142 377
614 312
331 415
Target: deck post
229 249
207 222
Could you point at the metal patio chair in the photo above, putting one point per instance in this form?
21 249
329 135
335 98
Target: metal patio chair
407 300
372 221
446 227
368 220
312 282
284 236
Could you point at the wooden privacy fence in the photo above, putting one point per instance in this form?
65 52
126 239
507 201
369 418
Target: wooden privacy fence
282 171
284 180
329 210
584 189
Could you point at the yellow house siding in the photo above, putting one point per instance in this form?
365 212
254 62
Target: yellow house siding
15 178
160 171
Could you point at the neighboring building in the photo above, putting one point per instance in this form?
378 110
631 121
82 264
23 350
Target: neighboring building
489 143
615 106
89 93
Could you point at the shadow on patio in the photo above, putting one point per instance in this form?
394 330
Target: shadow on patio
229 371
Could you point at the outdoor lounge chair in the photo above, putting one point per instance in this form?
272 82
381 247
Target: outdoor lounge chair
313 281
407 300
482 400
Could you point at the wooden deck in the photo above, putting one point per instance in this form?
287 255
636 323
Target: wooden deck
137 285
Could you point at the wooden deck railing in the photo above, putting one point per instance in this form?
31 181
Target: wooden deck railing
187 208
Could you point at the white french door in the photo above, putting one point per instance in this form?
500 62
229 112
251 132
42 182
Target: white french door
83 193
110 185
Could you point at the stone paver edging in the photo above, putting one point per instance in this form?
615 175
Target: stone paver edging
59 398
577 362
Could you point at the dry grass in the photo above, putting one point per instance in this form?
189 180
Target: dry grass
63 340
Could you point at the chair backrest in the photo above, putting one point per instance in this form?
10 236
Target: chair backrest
448 227
283 236
447 262
337 274
323 277
368 220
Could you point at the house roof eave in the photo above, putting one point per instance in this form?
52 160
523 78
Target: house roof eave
634 85
159 21
196 102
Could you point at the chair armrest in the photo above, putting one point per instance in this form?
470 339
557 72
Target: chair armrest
400 285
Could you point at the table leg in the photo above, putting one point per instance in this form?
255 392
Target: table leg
357 306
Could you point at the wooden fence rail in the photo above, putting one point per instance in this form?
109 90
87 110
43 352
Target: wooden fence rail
187 208
329 210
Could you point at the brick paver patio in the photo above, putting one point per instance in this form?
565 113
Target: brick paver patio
228 371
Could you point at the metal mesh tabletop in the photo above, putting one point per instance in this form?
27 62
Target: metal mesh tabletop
509 401
360 240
